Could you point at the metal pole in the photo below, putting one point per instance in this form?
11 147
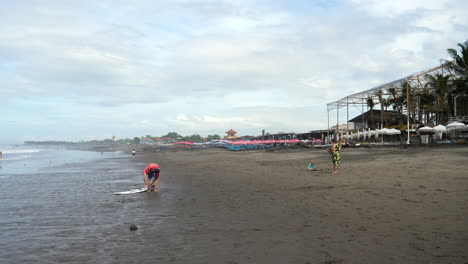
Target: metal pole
328 122
362 110
337 131
347 115
408 112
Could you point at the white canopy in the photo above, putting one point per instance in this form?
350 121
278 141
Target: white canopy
455 125
426 129
393 131
384 131
439 128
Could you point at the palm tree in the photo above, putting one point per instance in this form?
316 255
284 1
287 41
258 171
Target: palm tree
459 65
396 101
381 100
426 101
441 89
460 62
406 98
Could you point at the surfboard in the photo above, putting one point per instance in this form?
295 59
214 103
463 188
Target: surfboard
132 191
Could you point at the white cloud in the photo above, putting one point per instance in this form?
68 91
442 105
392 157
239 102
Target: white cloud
207 66
181 117
395 8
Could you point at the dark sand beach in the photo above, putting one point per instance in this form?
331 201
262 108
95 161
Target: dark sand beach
385 205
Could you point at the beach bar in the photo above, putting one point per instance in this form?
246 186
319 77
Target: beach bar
417 100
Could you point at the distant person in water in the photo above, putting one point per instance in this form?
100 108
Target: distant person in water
133 153
151 177
335 154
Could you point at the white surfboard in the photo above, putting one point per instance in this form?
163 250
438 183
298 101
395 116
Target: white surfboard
132 191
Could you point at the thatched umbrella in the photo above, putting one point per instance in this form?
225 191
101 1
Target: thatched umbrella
439 130
426 130
455 125
393 131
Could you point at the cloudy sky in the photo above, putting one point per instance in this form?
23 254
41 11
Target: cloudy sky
83 70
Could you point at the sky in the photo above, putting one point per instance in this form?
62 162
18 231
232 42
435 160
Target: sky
86 70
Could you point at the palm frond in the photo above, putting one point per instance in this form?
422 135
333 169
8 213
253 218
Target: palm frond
453 53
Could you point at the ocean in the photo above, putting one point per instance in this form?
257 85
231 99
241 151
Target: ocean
57 205
29 159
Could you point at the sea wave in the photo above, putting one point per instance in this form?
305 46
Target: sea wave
15 151
17 157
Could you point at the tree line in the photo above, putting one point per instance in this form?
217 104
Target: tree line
174 136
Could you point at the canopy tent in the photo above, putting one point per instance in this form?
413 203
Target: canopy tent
412 84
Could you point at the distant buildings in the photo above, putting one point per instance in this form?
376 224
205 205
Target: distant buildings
231 134
343 127
147 141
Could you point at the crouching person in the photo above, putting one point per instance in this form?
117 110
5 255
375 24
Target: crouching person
151 177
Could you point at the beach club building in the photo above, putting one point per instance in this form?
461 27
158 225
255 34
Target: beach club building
419 102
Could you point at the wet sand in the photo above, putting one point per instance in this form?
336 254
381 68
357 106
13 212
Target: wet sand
385 205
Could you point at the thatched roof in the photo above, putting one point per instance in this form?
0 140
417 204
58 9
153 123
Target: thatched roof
231 132
388 115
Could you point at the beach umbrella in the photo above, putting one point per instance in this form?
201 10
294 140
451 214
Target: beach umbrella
393 131
426 129
439 128
183 142
455 125
384 131
317 141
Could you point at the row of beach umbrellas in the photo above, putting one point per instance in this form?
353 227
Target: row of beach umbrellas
359 134
376 133
443 129
257 142
243 142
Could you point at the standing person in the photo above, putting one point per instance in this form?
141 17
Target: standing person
151 176
133 153
335 154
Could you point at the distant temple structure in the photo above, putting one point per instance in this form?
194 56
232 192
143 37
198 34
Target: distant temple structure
231 134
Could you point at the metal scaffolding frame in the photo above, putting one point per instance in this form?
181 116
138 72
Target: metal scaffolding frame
416 81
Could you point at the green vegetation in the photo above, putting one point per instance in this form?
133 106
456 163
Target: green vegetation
168 138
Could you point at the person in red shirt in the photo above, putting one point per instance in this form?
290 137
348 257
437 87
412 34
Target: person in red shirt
151 177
